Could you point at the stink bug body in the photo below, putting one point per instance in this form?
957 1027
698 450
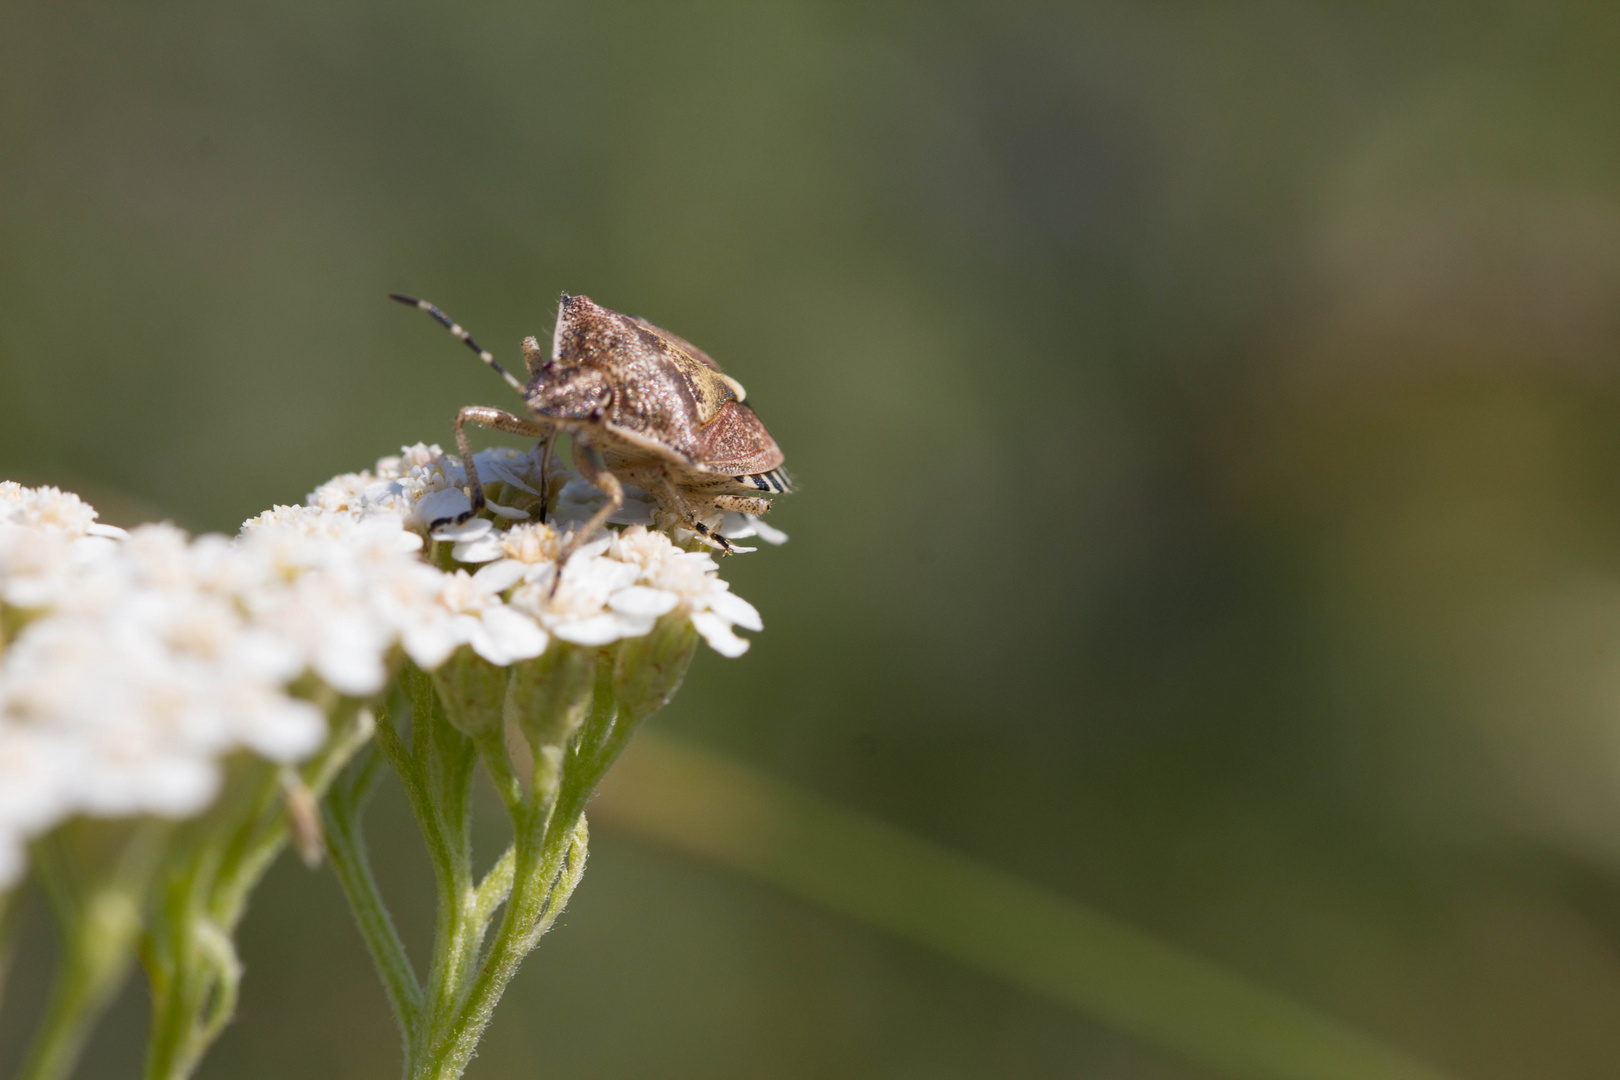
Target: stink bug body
643 407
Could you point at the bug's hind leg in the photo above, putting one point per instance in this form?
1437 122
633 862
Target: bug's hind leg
499 420
682 508
742 504
711 536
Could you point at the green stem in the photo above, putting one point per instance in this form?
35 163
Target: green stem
436 771
553 870
496 886
180 977
224 968
548 858
446 773
253 841
424 778
100 921
217 861
411 766
492 751
10 907
405 763
346 845
262 832
534 878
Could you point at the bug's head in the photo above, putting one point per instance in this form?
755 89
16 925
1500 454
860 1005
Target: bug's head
572 384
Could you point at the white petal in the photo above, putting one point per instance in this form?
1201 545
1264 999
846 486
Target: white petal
407 541
735 526
430 644
601 629
509 636
286 731
471 529
265 656
766 532
511 513
483 549
592 549
640 600
735 609
717 632
498 465
352 667
497 577
172 785
446 503
539 573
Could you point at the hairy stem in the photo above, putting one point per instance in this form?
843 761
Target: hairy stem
346 845
548 859
553 867
445 775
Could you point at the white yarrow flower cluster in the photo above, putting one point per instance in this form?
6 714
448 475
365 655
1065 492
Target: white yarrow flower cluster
423 485
133 663
136 664
45 535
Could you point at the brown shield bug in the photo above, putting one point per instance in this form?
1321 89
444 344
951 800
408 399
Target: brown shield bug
643 407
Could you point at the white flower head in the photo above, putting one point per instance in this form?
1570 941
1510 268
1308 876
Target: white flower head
146 660
580 610
692 582
478 617
46 536
423 485
409 457
50 509
142 659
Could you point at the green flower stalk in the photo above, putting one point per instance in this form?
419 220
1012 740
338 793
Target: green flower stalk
208 873
95 875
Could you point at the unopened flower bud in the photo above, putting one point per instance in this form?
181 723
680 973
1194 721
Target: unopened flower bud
472 690
648 670
549 697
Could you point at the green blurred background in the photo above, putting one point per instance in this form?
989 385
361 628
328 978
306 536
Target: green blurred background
1205 415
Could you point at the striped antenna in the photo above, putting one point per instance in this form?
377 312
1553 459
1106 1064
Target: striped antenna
455 328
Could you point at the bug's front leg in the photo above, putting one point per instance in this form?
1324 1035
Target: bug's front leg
498 420
586 463
546 442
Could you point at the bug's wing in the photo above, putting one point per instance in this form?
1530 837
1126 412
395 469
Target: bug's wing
736 443
676 340
708 385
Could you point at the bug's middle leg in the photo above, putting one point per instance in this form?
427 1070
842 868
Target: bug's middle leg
498 420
